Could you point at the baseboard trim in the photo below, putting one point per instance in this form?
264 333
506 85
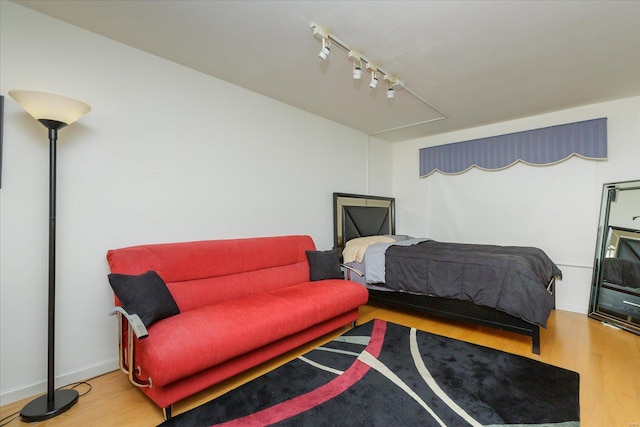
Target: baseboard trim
574 265
35 389
571 308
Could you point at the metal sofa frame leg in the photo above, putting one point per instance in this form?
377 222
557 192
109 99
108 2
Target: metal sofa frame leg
134 325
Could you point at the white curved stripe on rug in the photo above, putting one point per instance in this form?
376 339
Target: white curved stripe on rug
431 382
367 358
352 339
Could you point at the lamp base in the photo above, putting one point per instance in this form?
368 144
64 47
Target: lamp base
39 409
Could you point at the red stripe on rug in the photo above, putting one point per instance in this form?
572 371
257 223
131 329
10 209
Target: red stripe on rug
377 338
322 394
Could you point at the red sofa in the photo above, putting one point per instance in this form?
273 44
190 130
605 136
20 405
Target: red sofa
241 302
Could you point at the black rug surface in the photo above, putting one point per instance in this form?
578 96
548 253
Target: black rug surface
383 374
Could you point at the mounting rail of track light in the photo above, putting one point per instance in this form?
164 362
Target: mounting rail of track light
360 63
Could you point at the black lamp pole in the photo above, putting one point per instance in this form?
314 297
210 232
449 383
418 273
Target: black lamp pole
55 401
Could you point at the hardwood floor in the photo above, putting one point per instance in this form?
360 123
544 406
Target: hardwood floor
607 359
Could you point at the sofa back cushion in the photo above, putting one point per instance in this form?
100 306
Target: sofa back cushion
207 272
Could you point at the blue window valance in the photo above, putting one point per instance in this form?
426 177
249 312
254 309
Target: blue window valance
545 146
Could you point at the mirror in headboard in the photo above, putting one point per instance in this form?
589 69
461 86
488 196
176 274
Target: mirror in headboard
615 290
356 215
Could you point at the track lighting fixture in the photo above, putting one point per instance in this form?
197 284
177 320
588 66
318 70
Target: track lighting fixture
324 53
374 75
357 69
357 64
391 82
374 79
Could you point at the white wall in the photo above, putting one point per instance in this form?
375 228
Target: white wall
380 177
555 208
167 154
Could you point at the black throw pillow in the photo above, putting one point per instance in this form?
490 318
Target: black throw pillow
145 295
324 265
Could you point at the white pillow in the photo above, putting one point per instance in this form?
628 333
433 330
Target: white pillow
355 248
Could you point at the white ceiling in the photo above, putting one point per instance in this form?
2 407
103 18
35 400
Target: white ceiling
474 62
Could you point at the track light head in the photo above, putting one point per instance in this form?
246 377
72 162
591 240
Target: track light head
391 92
324 53
391 82
374 75
374 79
357 64
357 70
326 41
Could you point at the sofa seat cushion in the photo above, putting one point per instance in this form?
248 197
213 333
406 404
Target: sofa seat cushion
198 339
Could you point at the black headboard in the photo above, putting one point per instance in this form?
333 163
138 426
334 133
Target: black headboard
357 215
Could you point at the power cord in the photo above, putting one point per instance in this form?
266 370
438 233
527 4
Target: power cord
4 421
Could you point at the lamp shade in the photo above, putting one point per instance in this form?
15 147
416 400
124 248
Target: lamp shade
50 106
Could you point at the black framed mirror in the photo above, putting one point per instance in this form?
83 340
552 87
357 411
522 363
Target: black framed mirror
615 289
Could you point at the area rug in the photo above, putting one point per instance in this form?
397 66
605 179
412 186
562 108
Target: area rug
383 374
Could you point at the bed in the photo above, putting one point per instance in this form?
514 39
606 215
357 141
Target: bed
621 266
507 288
619 295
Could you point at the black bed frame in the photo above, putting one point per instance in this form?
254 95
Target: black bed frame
351 220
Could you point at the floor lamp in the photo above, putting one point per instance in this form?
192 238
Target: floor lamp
54 112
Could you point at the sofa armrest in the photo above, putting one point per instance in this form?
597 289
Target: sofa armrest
134 322
126 356
350 270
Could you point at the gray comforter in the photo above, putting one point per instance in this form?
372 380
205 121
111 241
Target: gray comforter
513 279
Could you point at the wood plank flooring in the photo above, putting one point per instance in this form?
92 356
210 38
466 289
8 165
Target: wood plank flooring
608 361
